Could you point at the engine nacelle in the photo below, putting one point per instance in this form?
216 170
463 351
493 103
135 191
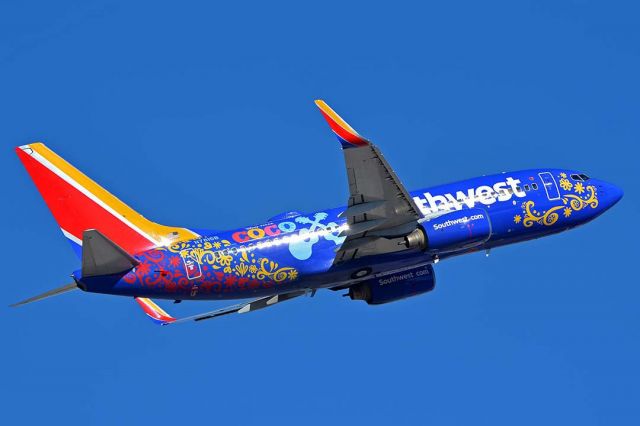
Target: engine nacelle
457 230
394 287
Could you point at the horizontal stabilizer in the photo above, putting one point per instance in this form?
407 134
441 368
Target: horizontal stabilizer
101 256
49 293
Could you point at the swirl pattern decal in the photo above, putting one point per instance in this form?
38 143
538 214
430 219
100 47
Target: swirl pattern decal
581 198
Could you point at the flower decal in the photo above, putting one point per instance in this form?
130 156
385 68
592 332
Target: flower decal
579 188
241 269
567 212
517 218
563 175
565 184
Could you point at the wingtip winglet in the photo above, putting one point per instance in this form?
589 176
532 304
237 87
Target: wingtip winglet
346 134
155 312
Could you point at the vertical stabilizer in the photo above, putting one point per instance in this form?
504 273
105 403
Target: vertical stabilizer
78 203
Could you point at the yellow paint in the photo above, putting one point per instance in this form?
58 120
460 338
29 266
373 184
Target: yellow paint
156 231
334 116
570 204
153 306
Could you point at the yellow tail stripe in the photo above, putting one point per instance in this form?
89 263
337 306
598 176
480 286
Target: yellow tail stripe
156 231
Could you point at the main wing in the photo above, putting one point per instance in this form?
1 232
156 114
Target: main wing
159 316
380 212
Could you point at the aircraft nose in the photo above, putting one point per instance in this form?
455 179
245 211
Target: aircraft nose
616 193
611 193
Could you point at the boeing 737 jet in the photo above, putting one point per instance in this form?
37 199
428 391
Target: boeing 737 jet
379 248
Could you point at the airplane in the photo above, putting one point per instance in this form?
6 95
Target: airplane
379 248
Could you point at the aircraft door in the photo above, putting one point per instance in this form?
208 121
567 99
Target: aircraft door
550 185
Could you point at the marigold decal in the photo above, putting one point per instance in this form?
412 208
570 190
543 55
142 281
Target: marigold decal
565 184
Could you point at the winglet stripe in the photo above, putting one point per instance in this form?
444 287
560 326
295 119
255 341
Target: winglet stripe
155 312
340 127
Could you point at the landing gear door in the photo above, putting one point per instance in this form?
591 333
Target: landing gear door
550 185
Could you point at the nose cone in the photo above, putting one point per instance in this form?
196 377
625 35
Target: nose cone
616 193
611 194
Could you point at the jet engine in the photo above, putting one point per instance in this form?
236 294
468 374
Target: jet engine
457 230
390 288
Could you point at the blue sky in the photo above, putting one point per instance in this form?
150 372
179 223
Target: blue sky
201 114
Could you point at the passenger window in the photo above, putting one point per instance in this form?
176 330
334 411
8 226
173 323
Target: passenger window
534 186
527 188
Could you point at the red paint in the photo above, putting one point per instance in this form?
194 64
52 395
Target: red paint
75 212
240 236
353 139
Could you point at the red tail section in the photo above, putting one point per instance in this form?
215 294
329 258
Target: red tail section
78 203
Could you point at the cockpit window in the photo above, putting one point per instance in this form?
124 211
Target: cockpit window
582 177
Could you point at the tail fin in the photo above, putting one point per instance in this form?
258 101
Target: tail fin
78 204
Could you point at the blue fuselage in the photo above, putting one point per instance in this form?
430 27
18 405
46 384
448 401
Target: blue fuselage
296 250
